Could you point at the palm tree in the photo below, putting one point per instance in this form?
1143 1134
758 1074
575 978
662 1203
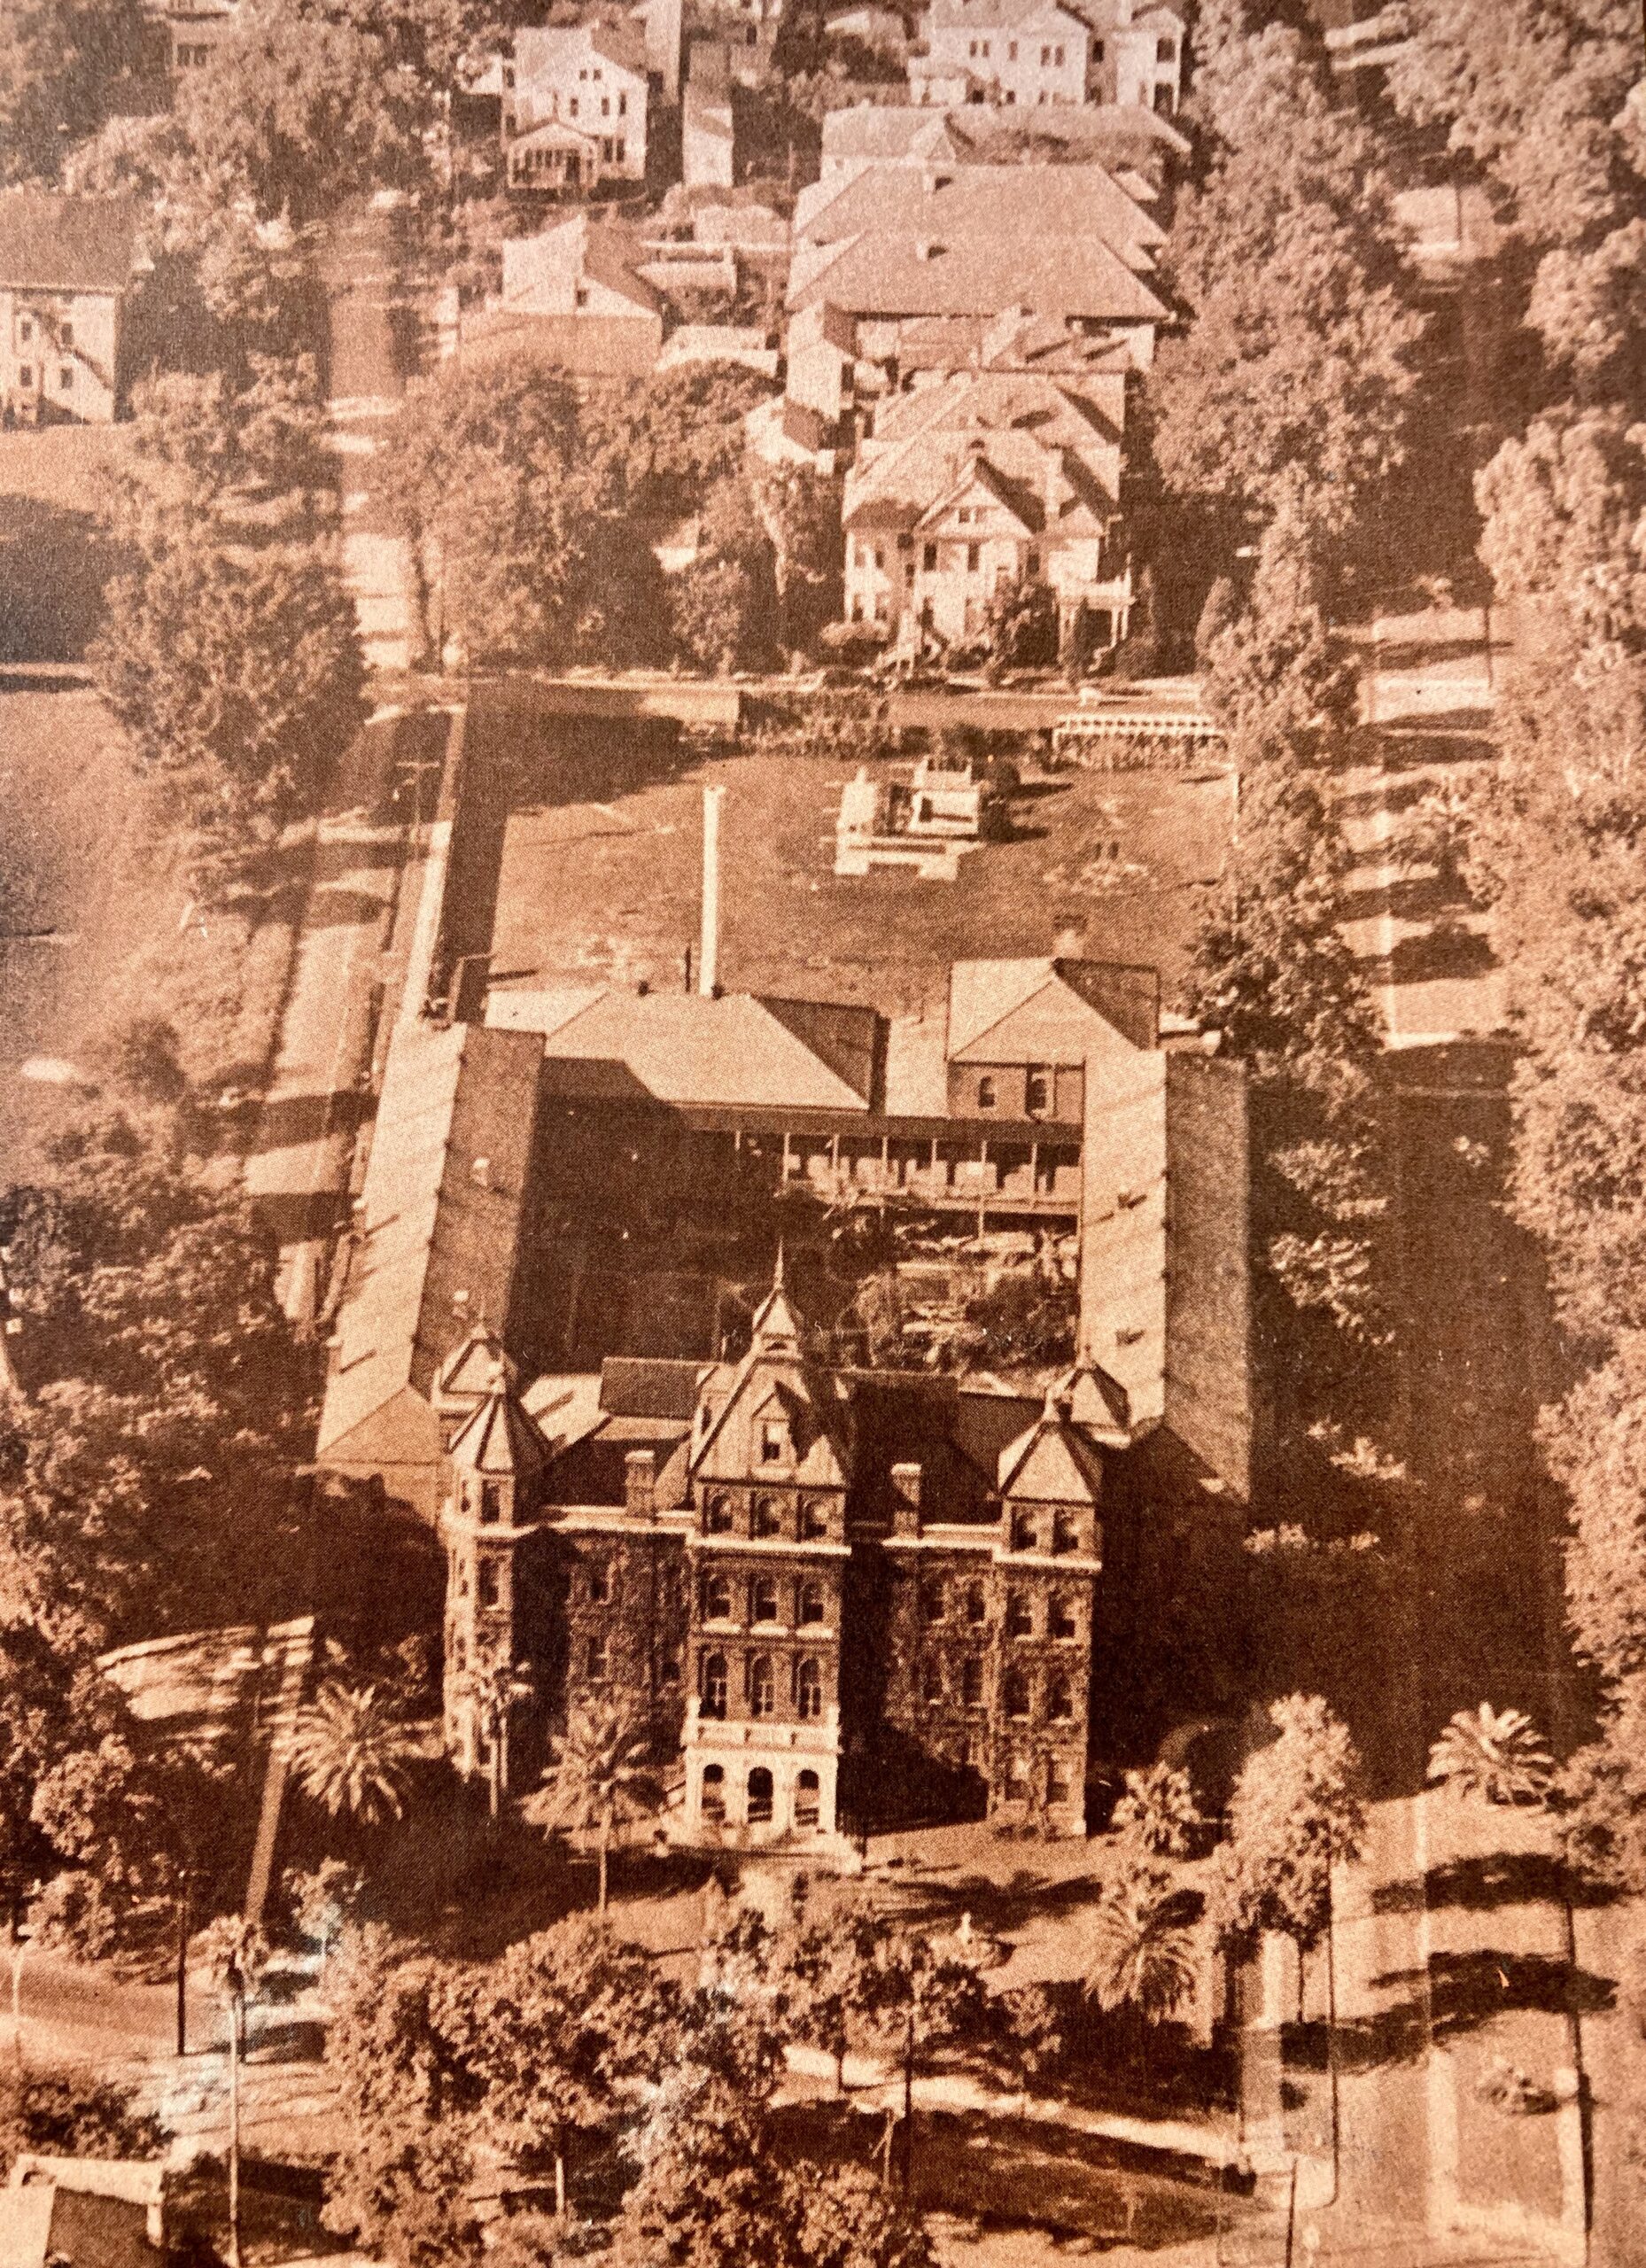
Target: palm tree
496 1689
601 1776
1158 1813
1142 1949
1497 1754
352 1753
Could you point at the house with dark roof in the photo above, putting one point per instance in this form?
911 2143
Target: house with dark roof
67 265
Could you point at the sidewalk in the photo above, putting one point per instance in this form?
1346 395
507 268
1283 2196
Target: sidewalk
296 1174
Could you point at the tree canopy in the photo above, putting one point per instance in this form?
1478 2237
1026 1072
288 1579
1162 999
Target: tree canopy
65 65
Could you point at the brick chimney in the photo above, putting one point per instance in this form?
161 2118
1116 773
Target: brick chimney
640 1483
905 1500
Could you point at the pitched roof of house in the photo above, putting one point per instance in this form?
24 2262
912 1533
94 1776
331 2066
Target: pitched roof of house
736 1052
1034 265
542 51
777 1374
968 200
68 244
440 1213
1050 1011
989 130
997 15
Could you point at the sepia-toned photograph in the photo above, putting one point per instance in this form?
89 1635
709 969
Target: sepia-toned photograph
822 1133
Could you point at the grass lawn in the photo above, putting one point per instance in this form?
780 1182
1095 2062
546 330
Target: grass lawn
601 849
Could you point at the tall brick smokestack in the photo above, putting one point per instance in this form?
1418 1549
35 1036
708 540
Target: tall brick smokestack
709 946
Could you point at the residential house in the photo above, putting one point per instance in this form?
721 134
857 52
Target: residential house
575 295
66 269
895 244
708 119
194 31
574 109
1018 52
85 2213
1137 55
984 480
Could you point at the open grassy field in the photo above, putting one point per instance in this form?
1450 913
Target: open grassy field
601 855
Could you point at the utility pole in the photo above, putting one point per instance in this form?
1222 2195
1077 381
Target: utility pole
237 2016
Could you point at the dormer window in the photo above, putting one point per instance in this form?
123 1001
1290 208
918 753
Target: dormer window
491 1502
1022 1532
1064 1535
988 1094
773 1441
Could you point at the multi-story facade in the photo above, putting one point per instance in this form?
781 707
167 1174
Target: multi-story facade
66 267
574 107
832 1594
1021 52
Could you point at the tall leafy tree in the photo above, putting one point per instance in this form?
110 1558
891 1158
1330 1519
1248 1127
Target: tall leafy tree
65 65
1298 1809
571 2025
1299 350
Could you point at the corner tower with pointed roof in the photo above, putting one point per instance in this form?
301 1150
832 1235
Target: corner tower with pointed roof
766 1554
498 1460
1048 1557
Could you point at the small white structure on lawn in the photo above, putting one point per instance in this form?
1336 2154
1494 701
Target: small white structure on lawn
925 828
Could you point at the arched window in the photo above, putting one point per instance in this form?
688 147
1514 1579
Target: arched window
1039 1093
768 1516
717 1598
717 1515
1059 1708
1020 1622
987 1096
809 1687
1022 1532
934 1599
762 1687
809 1605
762 1599
595 1662
714 1791
976 1604
972 1682
599 1582
808 1800
1016 1690
711 1699
759 1795
931 1680
1064 1533
1064 1624
813 1518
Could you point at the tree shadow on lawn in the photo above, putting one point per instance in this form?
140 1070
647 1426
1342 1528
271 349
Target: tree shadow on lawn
998 1908
54 563
1448 950
1469 1988
1008 2173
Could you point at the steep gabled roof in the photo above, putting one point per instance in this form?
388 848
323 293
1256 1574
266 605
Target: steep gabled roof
1053 1462
67 243
1031 1011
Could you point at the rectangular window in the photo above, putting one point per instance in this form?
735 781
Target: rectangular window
1011 51
1057 56
67 336
928 558
622 149
65 377
571 107
25 375
605 105
489 1586
773 1440
974 554
623 105
1045 56
25 329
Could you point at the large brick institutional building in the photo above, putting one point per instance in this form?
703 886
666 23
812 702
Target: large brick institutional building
838 1593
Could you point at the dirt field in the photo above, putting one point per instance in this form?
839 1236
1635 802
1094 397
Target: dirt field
601 860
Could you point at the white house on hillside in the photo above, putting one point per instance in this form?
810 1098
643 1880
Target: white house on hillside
1014 52
574 107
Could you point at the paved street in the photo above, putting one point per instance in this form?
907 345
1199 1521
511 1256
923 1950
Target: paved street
366 377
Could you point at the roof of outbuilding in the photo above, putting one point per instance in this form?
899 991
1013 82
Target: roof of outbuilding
68 244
